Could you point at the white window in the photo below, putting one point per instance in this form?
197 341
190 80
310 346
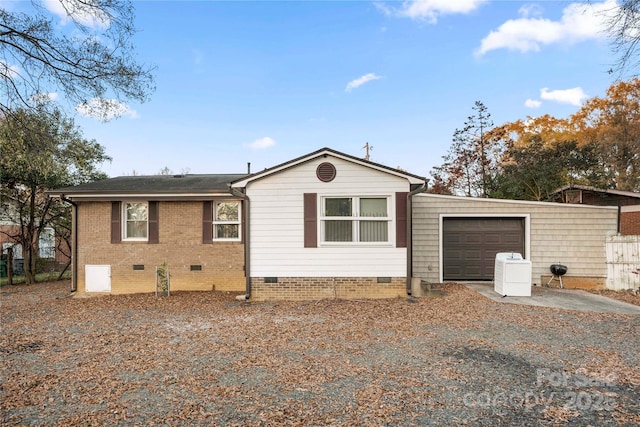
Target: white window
226 220
47 243
355 220
136 223
17 249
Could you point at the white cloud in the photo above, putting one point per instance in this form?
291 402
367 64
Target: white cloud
573 96
360 81
530 10
579 22
84 12
106 109
262 143
430 10
532 103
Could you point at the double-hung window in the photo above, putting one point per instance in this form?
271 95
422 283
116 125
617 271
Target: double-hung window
363 219
136 221
226 220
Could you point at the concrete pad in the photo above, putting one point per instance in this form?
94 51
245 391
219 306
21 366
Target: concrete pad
569 299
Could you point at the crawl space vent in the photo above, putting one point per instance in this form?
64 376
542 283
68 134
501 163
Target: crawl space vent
326 172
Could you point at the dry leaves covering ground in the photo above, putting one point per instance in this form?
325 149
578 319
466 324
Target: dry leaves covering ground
206 359
628 296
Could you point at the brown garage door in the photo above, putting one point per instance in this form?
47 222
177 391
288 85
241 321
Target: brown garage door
470 245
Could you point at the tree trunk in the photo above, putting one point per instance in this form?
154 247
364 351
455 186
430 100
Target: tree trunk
10 266
30 249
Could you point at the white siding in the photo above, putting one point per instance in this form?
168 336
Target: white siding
277 224
571 234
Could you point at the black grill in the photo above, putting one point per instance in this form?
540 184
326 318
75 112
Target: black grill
558 269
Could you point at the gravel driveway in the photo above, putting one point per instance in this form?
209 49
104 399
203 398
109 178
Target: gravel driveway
206 359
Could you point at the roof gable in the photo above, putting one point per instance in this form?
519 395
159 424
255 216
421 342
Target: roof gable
242 182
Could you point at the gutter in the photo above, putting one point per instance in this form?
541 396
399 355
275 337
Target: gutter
422 188
247 246
74 243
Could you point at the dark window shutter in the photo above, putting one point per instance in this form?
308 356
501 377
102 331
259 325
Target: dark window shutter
310 220
116 228
153 223
401 220
207 222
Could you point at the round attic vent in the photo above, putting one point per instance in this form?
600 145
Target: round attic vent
326 172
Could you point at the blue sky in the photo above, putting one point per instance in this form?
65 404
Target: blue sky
268 81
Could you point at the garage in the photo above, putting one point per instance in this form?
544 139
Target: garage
470 244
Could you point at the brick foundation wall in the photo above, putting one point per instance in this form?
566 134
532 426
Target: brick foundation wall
180 245
314 288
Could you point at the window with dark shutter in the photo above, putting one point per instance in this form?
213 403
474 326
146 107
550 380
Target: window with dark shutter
153 223
401 219
207 222
116 229
310 220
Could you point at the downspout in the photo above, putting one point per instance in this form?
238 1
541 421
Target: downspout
74 243
422 188
619 217
245 229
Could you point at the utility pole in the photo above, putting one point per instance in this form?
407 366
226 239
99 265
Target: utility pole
368 148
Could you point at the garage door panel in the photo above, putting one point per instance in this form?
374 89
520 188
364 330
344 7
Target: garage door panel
472 255
513 239
470 245
473 239
492 239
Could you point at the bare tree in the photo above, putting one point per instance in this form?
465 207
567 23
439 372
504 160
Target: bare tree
473 159
93 65
623 25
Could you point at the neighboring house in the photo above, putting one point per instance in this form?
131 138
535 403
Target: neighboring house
49 247
323 225
627 201
456 238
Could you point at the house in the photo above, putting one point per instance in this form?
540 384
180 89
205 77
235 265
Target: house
53 251
326 224
627 201
456 238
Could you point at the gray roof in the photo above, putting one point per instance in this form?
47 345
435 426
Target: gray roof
153 184
624 193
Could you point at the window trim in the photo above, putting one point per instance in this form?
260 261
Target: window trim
356 220
124 221
215 222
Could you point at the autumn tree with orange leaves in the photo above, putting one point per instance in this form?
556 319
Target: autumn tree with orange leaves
529 159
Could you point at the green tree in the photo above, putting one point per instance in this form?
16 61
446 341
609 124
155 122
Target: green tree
47 151
535 171
473 160
92 64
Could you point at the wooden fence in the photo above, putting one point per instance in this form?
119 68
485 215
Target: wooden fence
623 262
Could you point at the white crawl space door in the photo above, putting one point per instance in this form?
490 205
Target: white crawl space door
97 278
